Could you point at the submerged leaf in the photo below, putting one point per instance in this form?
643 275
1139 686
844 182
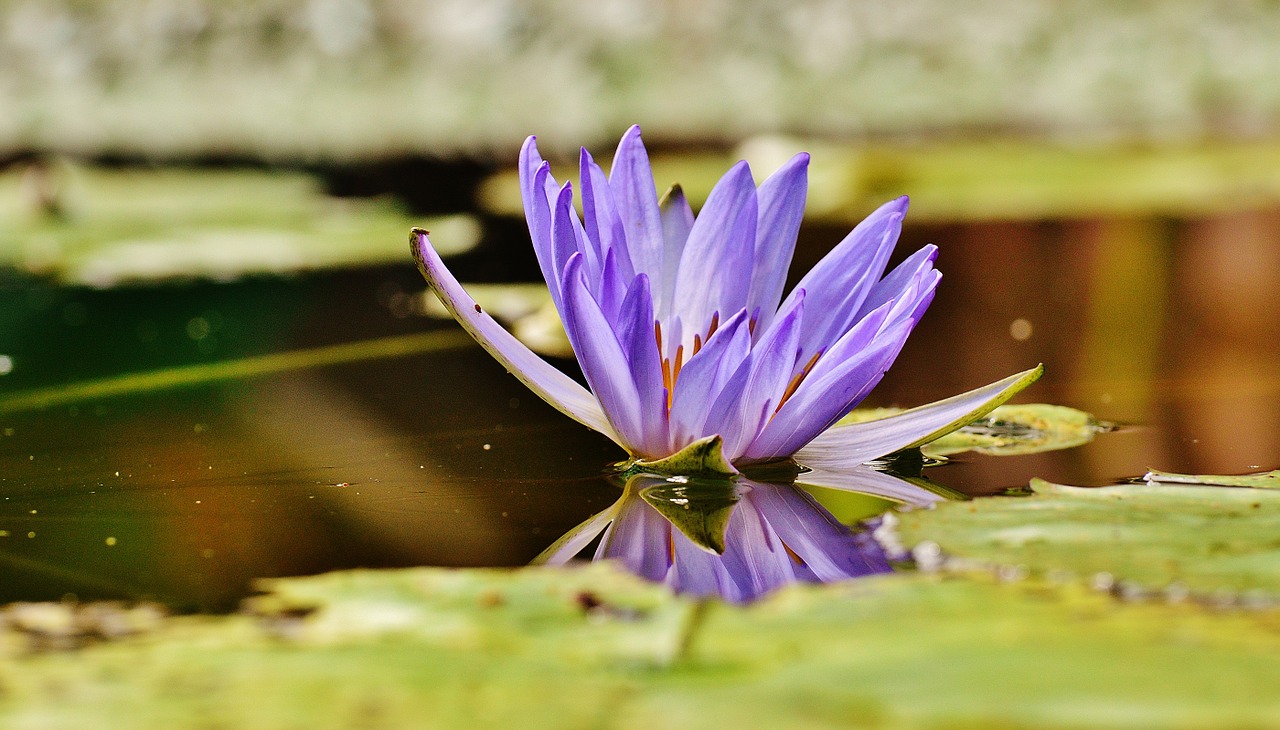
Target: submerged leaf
1154 537
1260 480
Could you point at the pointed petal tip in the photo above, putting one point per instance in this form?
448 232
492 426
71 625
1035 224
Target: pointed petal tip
674 194
529 150
418 237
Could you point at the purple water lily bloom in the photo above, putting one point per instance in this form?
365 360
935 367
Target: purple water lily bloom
680 325
770 535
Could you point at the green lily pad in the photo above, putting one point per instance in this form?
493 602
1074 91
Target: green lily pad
593 647
100 227
1207 540
1260 480
1008 430
1021 429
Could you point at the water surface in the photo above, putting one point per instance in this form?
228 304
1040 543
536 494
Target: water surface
185 494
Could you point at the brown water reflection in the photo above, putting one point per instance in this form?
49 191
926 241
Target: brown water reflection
439 458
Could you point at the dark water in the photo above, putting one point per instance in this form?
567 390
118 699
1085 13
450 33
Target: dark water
185 494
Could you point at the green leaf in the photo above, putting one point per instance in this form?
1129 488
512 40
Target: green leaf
704 457
595 648
1207 540
1260 480
1029 428
124 225
1009 430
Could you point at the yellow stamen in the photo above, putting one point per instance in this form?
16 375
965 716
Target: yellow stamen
799 378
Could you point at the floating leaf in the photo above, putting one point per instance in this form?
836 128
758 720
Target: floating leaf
1259 480
594 647
1021 429
1206 540
1008 430
122 225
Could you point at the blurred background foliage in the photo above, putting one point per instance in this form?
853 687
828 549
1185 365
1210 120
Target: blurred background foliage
309 80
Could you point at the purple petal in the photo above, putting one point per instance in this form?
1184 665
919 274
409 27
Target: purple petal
534 176
846 445
568 238
700 379
715 267
782 198
600 216
917 267
640 539
700 573
754 555
772 361
865 480
636 199
677 221
825 397
602 359
574 541
635 333
842 280
827 546
548 383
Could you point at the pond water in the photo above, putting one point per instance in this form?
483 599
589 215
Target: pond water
422 451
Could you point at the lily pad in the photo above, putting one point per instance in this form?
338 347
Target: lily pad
593 647
1207 540
1260 480
100 227
1008 430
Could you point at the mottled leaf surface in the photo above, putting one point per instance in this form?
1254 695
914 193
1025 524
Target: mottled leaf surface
1211 541
594 648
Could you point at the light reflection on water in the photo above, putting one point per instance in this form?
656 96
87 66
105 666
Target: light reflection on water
187 494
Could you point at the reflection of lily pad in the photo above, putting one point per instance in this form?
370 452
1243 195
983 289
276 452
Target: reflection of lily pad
699 508
1203 539
591 647
1261 480
145 225
1008 430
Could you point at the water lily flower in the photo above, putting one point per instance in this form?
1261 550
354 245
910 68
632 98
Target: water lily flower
733 539
682 331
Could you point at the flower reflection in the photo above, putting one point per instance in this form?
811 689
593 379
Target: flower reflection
736 538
